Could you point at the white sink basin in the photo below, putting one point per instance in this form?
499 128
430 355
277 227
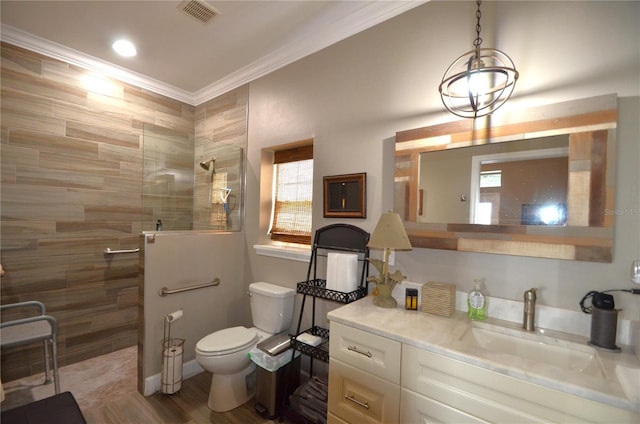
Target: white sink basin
629 379
494 342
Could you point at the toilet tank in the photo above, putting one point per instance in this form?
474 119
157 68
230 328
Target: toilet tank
271 306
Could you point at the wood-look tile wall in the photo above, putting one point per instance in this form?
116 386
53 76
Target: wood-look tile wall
72 183
221 132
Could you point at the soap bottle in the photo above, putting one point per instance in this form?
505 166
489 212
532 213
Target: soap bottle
477 302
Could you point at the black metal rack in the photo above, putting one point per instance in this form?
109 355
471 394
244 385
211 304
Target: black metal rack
336 237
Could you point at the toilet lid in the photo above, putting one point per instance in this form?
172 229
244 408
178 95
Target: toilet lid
227 341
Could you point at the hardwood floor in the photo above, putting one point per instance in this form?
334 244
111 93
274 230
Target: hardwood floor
105 389
189 406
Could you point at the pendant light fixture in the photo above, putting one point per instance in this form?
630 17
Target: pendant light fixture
478 82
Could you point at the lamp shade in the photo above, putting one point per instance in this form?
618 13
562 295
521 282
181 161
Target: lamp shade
389 233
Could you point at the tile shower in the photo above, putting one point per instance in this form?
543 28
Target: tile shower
85 168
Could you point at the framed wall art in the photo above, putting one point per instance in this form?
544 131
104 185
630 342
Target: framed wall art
345 196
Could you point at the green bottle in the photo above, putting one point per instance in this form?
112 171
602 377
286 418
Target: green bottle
477 302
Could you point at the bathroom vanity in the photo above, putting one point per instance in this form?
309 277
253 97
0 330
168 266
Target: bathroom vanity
394 365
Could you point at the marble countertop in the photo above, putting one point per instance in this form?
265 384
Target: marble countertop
612 378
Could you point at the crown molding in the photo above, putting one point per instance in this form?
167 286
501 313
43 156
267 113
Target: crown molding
328 29
57 51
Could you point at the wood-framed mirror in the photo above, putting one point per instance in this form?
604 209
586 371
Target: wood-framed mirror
538 182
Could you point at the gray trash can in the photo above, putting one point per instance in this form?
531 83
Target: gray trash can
277 376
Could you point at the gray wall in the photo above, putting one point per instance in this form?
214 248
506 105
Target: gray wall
353 97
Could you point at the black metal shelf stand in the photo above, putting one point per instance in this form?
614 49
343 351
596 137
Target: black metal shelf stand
336 237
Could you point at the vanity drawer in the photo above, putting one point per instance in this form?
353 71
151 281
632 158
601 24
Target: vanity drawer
358 397
374 354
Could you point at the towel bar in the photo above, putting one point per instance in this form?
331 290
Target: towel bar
165 291
108 251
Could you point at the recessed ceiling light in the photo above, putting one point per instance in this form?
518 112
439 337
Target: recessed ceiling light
124 48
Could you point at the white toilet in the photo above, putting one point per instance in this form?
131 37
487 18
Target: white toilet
225 353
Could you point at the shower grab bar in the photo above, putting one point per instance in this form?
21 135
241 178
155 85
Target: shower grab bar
165 291
108 251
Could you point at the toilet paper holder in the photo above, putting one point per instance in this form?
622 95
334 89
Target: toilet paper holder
172 353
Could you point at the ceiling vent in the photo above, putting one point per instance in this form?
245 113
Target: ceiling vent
199 10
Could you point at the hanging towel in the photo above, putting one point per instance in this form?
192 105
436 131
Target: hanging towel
342 272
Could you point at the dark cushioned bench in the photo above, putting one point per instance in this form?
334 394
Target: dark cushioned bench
58 409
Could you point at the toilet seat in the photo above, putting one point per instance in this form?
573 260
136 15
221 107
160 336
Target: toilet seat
227 341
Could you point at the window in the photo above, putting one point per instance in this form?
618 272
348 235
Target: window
490 178
488 209
292 195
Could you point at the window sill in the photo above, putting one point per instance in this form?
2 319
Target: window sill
290 252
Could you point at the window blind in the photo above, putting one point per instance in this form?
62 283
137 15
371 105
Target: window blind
293 189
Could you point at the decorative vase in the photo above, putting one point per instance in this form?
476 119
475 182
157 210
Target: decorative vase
384 298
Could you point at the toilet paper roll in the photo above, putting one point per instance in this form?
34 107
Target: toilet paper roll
174 316
172 369
342 272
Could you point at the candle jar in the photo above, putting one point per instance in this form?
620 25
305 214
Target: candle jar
411 300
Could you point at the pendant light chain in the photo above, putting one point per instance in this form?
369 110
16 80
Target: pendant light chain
478 41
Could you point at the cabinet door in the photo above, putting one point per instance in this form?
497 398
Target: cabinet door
415 408
358 397
374 354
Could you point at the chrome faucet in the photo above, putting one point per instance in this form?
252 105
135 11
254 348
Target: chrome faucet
528 320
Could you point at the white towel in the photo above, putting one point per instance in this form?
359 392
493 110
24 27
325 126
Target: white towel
342 271
309 339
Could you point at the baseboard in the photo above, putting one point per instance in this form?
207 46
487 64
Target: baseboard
189 369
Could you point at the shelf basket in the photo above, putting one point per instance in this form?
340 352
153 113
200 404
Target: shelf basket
321 351
317 288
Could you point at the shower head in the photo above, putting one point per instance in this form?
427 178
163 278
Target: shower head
206 165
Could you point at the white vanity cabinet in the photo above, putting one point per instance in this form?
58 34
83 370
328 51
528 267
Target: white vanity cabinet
436 388
375 379
364 377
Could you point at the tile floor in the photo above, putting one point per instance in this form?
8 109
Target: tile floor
105 388
93 382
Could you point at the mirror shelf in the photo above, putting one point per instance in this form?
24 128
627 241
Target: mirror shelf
590 125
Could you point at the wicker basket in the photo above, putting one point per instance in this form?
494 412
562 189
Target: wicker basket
439 298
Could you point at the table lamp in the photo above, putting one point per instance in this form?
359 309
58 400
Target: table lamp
388 234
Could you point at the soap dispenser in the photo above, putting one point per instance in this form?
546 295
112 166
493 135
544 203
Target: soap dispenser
477 302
